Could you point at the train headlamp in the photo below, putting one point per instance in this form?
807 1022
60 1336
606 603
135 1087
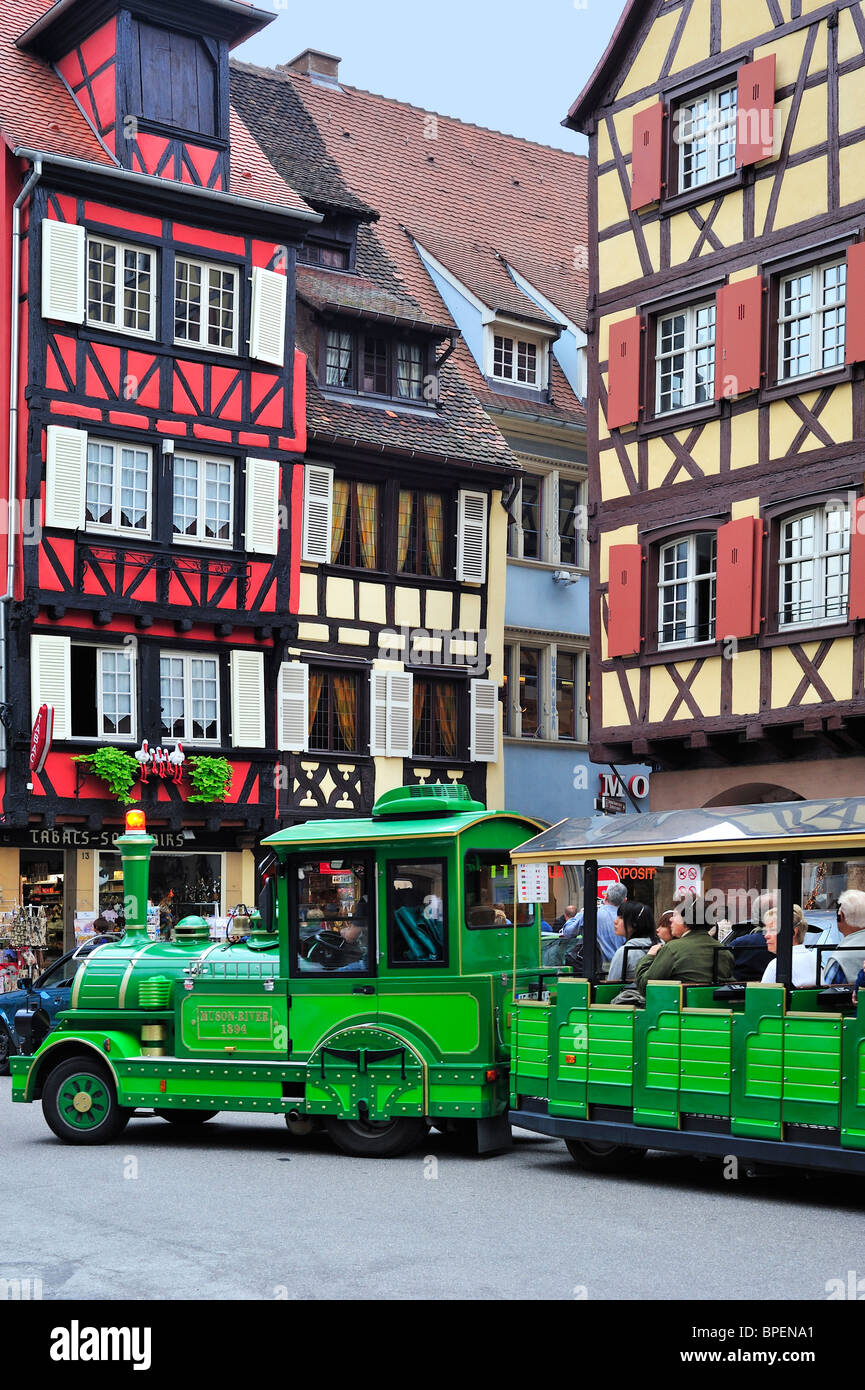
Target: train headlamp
136 820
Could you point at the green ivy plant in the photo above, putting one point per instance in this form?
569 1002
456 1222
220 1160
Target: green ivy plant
116 768
210 778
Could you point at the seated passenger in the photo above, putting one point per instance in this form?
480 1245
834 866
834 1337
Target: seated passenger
751 955
636 924
804 961
842 967
694 959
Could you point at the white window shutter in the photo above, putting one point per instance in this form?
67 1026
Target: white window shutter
472 538
293 707
247 700
267 325
484 722
262 506
400 715
51 680
378 714
66 477
317 514
64 247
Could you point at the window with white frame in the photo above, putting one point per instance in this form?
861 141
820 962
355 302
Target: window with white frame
686 585
203 499
206 304
189 696
102 692
517 360
545 692
814 568
118 487
121 287
706 136
548 518
812 320
685 358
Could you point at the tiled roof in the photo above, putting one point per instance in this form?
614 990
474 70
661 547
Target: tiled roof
475 198
459 433
332 289
38 112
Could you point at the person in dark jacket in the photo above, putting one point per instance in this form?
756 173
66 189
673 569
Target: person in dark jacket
751 955
696 958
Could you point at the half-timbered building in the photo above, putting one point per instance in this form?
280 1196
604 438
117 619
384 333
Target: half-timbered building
727 397
156 407
466 282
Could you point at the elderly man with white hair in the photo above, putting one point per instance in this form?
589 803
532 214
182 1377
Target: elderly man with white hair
842 968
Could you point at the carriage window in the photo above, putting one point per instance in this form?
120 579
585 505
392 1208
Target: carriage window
490 888
334 917
417 916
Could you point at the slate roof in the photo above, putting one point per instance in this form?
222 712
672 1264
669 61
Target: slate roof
38 112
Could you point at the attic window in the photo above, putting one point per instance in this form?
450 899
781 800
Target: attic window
325 254
375 365
516 359
178 75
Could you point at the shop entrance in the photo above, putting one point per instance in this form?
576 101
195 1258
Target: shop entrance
42 877
181 885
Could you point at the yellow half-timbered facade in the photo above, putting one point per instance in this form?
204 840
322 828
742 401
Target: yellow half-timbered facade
727 397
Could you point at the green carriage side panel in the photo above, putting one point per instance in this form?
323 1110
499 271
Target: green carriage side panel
853 1079
569 1055
812 1069
657 1059
530 1062
706 1047
456 1021
758 1057
222 1019
611 1055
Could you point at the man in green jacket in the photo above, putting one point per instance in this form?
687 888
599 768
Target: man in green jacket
695 958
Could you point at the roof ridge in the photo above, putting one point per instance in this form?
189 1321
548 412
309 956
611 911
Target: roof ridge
280 76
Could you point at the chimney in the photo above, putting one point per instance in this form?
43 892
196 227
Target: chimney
314 64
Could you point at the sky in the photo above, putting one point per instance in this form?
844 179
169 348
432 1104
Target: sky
511 65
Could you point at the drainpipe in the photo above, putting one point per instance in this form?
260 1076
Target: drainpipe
12 472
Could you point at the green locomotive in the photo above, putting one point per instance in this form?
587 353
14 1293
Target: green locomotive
373 994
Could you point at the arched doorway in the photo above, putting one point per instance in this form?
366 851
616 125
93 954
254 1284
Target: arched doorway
754 794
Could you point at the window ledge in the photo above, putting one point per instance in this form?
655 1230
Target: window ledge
549 566
817 632
678 420
562 745
805 385
707 192
395 403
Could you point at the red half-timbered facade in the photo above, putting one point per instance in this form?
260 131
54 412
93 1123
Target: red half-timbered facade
159 423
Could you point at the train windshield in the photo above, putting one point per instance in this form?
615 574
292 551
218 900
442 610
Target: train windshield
490 889
334 916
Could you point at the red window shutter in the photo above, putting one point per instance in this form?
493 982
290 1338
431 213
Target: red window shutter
857 561
648 157
624 634
739 338
756 133
855 344
623 405
740 571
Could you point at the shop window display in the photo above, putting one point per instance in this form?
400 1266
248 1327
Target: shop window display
181 885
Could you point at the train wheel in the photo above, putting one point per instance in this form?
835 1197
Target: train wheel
187 1119
80 1104
369 1139
604 1158
6 1051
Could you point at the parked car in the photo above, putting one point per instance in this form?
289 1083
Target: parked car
52 990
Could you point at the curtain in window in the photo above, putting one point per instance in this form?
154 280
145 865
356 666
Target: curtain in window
419 705
367 515
406 510
345 699
316 685
410 370
338 364
446 717
341 495
434 517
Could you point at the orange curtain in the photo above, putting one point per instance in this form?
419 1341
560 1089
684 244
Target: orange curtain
316 682
446 715
419 704
345 697
434 517
406 510
367 513
341 494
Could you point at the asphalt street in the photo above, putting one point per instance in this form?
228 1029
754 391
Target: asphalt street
243 1211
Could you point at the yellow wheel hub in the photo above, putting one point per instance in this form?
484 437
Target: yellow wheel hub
83 1102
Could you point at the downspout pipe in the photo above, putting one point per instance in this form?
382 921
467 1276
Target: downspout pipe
12 470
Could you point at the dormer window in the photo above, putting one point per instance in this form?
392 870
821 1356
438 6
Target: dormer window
325 254
374 365
179 83
515 359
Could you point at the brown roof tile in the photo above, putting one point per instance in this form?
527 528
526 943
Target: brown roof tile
337 290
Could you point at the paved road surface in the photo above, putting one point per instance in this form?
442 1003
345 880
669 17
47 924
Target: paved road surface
241 1211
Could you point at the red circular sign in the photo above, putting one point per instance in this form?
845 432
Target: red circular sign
606 878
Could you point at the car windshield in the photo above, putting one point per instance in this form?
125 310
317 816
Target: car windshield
61 974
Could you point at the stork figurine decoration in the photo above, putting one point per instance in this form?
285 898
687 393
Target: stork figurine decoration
160 762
